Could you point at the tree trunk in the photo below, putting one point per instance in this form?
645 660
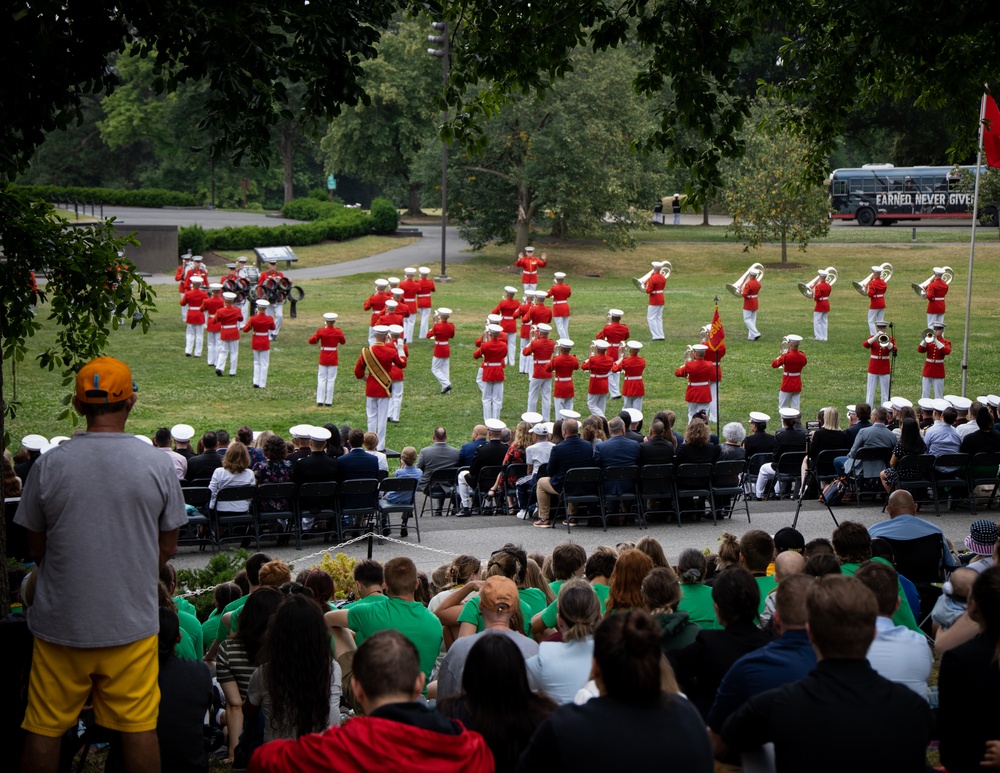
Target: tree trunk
525 211
414 208
286 147
784 247
704 214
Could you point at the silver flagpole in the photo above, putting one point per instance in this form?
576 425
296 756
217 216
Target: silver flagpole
972 247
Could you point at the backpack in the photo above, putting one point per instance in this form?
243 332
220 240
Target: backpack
833 492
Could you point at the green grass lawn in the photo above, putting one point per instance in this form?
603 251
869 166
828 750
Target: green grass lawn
328 253
175 389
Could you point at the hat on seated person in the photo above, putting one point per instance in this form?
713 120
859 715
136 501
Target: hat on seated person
759 418
182 432
495 425
319 434
926 403
499 594
531 417
301 431
616 312
959 403
993 401
569 413
540 429
889 406
148 441
900 402
34 442
982 537
941 405
58 440
789 413
787 538
852 409
634 415
702 414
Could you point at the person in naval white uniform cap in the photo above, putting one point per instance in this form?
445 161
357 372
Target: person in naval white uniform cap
767 470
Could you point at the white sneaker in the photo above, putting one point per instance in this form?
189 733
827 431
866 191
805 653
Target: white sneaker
522 514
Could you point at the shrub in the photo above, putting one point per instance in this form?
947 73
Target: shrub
341 569
146 197
222 567
340 225
385 218
192 238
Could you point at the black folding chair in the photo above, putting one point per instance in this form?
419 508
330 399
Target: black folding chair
198 530
407 488
951 477
289 513
859 481
754 463
626 497
442 488
223 521
915 473
359 504
787 472
656 486
727 482
319 502
984 471
582 489
481 499
694 480
820 471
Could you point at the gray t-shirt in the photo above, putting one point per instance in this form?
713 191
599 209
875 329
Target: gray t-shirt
450 674
101 500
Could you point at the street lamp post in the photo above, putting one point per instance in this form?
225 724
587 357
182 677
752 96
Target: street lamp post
443 54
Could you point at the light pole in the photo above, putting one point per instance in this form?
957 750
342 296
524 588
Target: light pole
443 54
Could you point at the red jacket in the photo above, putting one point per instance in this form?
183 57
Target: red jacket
936 291
821 294
879 362
632 366
196 271
934 358
614 334
507 309
716 357
529 265
427 287
410 288
269 274
560 299
541 350
751 288
262 325
388 319
375 303
493 354
442 333
387 355
539 313
654 288
599 366
195 302
876 292
229 318
794 361
522 312
700 374
212 306
328 337
366 744
563 366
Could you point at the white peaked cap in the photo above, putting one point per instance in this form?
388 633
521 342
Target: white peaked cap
262 304
941 405
229 296
396 329
567 413
494 328
444 311
330 316
759 417
546 328
602 344
495 425
531 416
301 430
901 402
510 289
424 270
182 432
794 338
320 434
926 403
565 343
381 282
789 413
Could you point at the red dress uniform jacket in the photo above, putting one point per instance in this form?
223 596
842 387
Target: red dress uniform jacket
614 334
654 288
794 361
599 366
501 337
493 354
538 314
179 278
212 306
507 309
229 318
387 319
375 303
716 357
442 333
233 276
262 325
387 355
936 291
876 292
563 366
410 288
560 299
522 312
195 302
821 294
397 370
529 266
934 358
328 338
197 271
699 374
879 362
751 288
427 287
632 367
541 350
269 274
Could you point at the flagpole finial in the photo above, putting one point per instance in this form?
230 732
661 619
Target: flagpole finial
716 300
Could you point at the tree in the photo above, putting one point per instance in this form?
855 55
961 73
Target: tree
766 193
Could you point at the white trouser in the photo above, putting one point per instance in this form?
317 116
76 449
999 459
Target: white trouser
596 404
194 336
614 385
788 400
425 315
677 218
562 326
528 289
230 349
654 318
764 478
932 318
750 320
244 309
371 335
261 362
563 404
714 386
184 311
408 324
377 413
492 399
525 362
511 348
479 379
693 408
276 311
882 382
396 400
540 387
633 402
441 370
874 315
935 385
465 488
213 348
820 325
326 377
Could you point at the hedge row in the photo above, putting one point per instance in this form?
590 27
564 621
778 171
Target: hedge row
310 209
147 197
343 224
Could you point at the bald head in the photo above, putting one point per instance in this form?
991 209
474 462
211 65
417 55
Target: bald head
787 563
900 503
479 431
570 427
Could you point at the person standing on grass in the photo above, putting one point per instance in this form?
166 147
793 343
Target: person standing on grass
329 337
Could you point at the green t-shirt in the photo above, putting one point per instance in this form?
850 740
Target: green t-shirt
696 600
210 628
766 585
371 598
904 615
191 626
410 618
233 608
550 612
532 602
556 585
185 648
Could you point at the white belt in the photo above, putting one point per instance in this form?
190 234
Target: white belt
880 295
793 375
507 318
602 375
492 364
878 357
555 302
933 361
423 295
748 297
542 362
261 334
229 327
328 348
639 378
657 292
696 383
565 378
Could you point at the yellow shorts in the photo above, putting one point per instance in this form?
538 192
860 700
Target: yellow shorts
121 680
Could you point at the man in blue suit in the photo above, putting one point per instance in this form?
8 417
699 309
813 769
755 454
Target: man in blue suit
617 451
355 465
572 452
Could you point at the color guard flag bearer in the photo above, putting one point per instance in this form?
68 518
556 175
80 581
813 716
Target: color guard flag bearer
716 342
329 337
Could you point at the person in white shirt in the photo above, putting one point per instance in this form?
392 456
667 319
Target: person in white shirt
235 471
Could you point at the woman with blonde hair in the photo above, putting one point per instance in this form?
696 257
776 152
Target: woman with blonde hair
829 437
235 471
630 570
652 548
533 578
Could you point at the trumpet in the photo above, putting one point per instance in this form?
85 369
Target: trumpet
946 276
688 353
705 332
784 345
883 340
592 351
666 269
885 272
533 332
927 337
807 288
737 287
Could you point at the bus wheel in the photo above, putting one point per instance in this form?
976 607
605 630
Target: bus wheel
988 217
865 217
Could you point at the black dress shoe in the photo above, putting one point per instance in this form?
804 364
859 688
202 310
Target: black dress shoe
446 390
218 372
187 355
404 532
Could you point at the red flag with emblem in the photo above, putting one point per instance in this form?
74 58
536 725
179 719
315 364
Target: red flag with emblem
991 131
716 334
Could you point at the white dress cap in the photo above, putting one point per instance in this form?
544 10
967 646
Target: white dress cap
381 282
34 442
939 325
330 316
391 304
409 271
960 403
240 259
794 338
393 280
229 296
983 400
560 275
634 345
546 328
901 402
493 318
888 405
144 439
444 311
602 344
541 294
196 280
495 424
529 249
993 401
494 328
182 432
700 348
540 429
938 270
380 329
272 261
821 272
531 417
567 413
320 434
197 258
424 270
876 269
397 291
926 403
788 413
616 312
759 417
941 405
634 414
263 304
565 343
852 408
510 290
396 329
301 430
58 440
215 286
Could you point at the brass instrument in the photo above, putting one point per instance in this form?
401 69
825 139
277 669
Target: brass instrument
437 318
533 332
592 352
705 332
885 272
946 276
927 337
665 269
883 340
688 353
736 288
785 345
807 288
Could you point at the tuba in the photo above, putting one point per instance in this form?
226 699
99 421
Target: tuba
885 274
665 269
807 288
737 287
946 276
